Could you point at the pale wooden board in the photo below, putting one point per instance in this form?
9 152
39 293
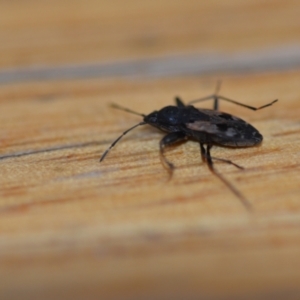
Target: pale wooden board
74 228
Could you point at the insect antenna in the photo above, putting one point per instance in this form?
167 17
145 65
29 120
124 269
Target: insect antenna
117 106
125 132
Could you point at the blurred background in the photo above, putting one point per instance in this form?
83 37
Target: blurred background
112 38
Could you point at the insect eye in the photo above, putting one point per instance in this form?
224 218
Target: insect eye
151 118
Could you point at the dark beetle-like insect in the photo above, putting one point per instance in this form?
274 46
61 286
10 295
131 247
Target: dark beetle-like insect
207 126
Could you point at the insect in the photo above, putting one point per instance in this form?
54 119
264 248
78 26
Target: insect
208 127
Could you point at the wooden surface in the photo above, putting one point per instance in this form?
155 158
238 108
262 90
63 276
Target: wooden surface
71 228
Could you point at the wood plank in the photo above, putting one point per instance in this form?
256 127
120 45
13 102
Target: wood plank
72 228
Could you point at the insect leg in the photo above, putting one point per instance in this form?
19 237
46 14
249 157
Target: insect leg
107 150
245 105
209 161
228 162
203 152
179 102
203 156
169 139
216 97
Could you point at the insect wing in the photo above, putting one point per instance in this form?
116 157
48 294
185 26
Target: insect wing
225 129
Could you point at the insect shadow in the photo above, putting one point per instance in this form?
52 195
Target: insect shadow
206 126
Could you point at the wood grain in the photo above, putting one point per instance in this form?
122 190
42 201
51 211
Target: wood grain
71 228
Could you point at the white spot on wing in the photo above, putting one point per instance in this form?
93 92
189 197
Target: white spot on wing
203 126
231 132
